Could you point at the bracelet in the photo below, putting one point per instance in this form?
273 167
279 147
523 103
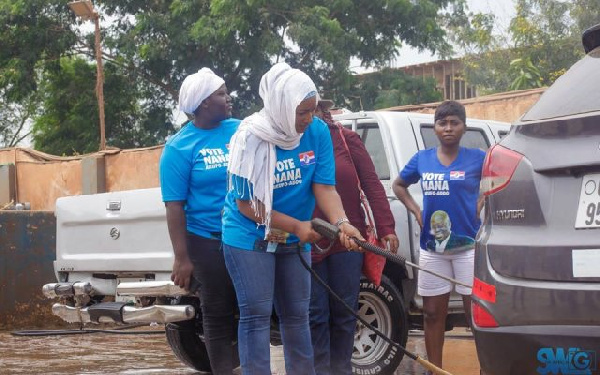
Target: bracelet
342 221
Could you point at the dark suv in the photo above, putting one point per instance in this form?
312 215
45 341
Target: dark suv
536 295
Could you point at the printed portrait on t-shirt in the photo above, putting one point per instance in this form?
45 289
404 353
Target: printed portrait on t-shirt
450 194
443 237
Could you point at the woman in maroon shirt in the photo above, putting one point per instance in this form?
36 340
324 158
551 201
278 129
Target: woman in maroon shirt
332 326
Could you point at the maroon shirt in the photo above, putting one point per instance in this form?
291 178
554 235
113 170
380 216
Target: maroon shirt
347 188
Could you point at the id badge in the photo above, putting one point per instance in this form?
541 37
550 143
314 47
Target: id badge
271 247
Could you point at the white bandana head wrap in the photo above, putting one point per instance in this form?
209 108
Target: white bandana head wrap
197 87
252 148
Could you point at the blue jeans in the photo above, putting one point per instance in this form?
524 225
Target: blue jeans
261 279
332 326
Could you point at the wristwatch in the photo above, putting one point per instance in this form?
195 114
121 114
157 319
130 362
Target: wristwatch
342 221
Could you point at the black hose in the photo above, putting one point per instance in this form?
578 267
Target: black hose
62 332
331 232
58 332
379 251
351 310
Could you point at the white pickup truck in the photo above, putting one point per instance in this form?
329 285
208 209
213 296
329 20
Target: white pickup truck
114 256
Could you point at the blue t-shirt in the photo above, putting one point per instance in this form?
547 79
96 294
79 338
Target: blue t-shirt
450 194
193 168
296 170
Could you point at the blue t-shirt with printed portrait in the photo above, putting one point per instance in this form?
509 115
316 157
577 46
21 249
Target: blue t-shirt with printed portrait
450 194
193 168
296 170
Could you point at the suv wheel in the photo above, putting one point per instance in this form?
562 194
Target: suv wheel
383 308
187 342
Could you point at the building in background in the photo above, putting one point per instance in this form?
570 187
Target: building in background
449 77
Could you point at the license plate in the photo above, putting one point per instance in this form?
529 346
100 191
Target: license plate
588 212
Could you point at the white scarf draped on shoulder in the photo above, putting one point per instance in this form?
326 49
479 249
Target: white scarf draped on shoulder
252 148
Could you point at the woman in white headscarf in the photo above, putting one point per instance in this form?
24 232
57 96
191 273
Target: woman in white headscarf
281 165
193 179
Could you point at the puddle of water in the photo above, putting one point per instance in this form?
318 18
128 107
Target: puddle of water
96 353
460 356
140 354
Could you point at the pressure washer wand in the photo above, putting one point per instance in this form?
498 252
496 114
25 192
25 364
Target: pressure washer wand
331 232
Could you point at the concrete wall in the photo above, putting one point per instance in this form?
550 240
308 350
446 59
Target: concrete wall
133 169
508 106
41 178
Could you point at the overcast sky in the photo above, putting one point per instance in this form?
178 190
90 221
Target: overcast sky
504 10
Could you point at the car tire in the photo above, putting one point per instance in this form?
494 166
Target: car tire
382 306
187 343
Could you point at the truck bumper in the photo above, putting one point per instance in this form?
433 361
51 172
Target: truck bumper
109 312
119 312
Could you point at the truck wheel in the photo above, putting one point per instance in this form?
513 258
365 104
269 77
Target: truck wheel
186 339
383 308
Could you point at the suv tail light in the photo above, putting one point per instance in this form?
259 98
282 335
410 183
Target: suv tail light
481 317
484 291
499 165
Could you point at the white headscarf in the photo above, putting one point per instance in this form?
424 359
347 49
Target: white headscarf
197 87
252 148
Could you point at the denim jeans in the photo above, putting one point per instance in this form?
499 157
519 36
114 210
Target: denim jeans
262 279
217 301
332 326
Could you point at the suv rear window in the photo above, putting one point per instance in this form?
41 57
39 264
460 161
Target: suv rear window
473 138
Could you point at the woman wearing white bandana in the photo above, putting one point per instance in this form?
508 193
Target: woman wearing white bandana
193 179
281 164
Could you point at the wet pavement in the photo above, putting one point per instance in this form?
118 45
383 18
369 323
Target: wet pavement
459 357
148 353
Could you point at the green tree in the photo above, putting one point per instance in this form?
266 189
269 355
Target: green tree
526 75
543 39
154 44
69 123
391 87
69 109
240 39
15 119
